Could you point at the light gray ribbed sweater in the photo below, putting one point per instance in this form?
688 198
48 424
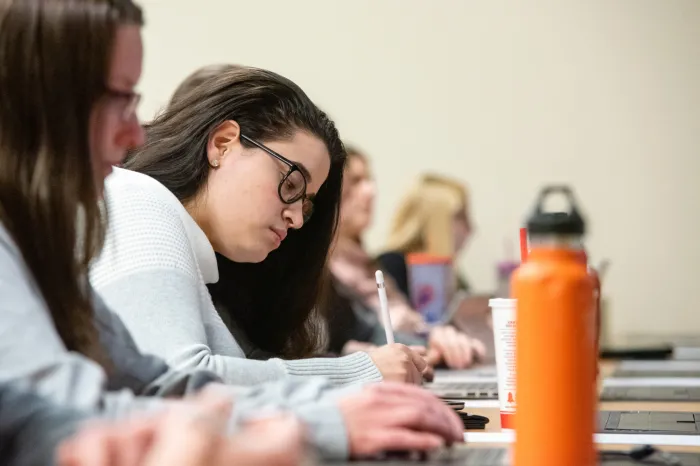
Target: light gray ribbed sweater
153 273
33 358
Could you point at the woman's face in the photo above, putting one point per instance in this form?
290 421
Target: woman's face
114 125
240 209
357 199
462 229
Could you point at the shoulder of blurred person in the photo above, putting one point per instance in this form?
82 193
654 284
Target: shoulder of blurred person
31 427
350 319
343 322
394 264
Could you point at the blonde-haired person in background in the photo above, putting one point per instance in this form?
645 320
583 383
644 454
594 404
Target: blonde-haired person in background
434 218
354 304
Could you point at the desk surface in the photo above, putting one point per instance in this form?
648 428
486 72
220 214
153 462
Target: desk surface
606 368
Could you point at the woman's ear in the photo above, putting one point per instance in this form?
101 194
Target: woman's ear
222 141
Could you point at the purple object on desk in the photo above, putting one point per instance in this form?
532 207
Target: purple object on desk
504 271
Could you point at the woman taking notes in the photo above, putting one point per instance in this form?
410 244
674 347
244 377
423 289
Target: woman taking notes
66 116
244 165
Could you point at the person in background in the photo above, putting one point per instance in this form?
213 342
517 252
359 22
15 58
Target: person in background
247 166
352 317
434 218
67 115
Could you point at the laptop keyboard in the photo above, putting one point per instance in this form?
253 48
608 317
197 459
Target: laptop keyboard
487 457
465 456
656 373
453 457
465 390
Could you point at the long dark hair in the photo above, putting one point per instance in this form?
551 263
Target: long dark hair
54 62
197 78
274 301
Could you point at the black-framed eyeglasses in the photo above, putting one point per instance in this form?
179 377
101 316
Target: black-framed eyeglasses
292 187
129 98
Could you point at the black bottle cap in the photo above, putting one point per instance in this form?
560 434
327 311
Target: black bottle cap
559 223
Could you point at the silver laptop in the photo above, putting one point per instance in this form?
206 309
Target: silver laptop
489 391
665 369
667 393
477 383
469 456
687 349
683 347
612 422
462 456
484 373
464 390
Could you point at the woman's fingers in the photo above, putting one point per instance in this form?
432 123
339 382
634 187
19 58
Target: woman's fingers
398 439
91 447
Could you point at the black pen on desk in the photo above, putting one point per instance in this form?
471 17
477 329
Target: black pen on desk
384 307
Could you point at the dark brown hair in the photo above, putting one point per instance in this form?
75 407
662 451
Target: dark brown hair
54 62
267 107
197 78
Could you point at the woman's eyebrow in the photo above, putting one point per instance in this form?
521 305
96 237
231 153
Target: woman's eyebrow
304 171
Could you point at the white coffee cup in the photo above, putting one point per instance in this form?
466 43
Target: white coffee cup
503 316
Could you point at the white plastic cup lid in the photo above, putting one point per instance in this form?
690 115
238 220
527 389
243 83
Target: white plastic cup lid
502 302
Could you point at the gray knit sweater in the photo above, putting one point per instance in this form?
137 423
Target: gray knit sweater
31 427
33 357
153 273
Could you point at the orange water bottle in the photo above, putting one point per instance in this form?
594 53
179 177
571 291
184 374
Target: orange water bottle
555 360
595 279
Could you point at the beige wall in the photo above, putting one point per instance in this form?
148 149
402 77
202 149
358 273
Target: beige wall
601 94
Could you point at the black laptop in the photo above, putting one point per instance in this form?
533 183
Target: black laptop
648 422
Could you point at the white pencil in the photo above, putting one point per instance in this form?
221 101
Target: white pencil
384 307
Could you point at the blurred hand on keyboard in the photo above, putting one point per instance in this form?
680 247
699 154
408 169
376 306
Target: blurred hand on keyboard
457 350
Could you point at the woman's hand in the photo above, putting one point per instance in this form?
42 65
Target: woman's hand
188 433
405 319
399 363
456 349
353 346
394 417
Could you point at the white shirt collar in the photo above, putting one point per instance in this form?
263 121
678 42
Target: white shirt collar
203 250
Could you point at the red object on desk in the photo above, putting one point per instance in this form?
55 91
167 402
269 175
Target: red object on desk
523 245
